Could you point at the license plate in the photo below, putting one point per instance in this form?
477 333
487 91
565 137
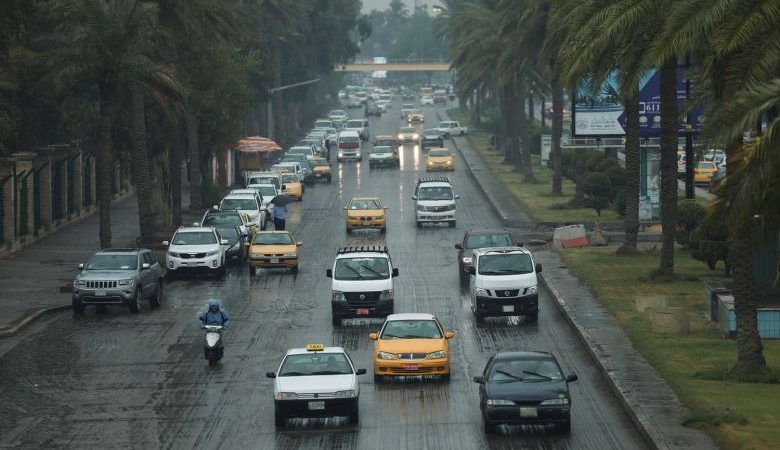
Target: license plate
436 218
366 223
411 367
274 260
528 412
100 293
361 311
509 308
316 406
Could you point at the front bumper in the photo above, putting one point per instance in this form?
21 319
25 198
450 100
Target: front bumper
429 216
344 155
433 167
411 367
354 224
380 161
380 308
333 407
103 297
322 175
208 262
273 262
512 306
512 414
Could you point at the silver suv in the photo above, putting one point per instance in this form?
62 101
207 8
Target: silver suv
120 276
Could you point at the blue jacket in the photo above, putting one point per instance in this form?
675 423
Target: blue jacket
280 212
218 318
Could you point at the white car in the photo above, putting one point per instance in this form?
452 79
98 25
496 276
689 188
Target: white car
434 201
383 155
504 283
195 248
426 100
316 381
246 201
409 134
267 193
338 116
450 128
360 126
362 283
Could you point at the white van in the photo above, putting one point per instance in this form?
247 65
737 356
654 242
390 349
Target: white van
434 201
349 145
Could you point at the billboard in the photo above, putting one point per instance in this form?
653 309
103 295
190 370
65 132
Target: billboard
603 115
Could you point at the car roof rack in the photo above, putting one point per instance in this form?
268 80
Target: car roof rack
362 249
433 180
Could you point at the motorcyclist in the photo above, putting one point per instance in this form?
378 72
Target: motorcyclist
214 315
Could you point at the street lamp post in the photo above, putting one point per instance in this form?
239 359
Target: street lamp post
270 109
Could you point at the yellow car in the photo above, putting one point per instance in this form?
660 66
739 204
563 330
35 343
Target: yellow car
415 115
293 184
440 158
366 212
321 169
273 250
411 344
704 171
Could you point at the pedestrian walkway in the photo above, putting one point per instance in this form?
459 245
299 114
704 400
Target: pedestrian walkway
647 398
30 279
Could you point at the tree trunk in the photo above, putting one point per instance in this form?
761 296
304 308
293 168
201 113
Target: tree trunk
141 172
579 178
557 133
477 108
502 138
632 175
525 137
105 163
669 120
531 108
750 356
174 165
193 157
276 99
510 111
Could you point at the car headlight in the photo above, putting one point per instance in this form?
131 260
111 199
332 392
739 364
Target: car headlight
338 296
415 136
480 292
286 396
437 355
532 290
345 394
556 401
386 295
468 260
290 255
400 136
385 355
449 163
79 283
214 253
450 207
499 402
420 207
125 282
174 254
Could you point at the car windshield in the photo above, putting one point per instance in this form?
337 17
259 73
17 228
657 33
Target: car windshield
322 123
228 233
337 112
385 142
238 203
194 238
264 180
349 140
416 111
381 149
267 192
432 132
318 162
362 269
289 178
354 124
525 370
365 204
112 262
439 153
505 264
444 124
411 329
315 364
408 130
705 166
300 151
488 240
435 193
407 106
273 239
220 219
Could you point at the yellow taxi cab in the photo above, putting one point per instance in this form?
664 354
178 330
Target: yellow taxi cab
440 158
273 250
321 169
704 171
293 184
415 115
411 344
366 212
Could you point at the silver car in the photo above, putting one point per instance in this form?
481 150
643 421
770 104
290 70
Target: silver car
122 276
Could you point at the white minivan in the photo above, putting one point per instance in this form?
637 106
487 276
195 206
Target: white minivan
349 146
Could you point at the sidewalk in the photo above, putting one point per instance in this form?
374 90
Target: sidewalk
31 278
646 397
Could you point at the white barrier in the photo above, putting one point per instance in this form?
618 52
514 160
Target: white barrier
570 236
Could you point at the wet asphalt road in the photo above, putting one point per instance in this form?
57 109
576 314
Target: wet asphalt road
117 380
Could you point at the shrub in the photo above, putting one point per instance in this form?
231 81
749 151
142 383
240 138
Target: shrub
598 191
689 216
709 243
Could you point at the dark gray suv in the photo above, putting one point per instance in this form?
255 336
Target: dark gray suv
121 276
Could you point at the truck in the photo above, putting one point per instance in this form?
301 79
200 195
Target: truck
449 128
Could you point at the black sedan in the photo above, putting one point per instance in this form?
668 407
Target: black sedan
479 238
236 250
431 138
524 388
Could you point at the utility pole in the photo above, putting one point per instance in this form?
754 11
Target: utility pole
270 110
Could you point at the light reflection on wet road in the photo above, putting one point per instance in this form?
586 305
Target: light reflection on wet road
117 380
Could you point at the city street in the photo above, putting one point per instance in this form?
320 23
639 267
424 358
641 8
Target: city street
122 380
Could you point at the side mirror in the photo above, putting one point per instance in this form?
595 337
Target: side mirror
457 197
299 243
372 336
414 197
145 266
284 187
329 273
472 270
81 266
360 372
345 208
215 207
571 378
270 374
165 243
247 244
479 380
386 207
223 242
395 271
449 335
459 246
538 268
519 244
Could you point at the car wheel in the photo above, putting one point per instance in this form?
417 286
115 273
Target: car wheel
445 377
135 303
157 298
533 317
170 275
78 307
354 416
383 230
462 276
222 270
490 427
419 224
252 271
379 378
480 318
294 269
279 419
563 427
452 224
336 321
349 230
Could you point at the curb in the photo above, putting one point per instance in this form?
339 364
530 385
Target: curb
11 331
642 423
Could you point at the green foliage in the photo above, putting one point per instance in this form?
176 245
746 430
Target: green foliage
708 242
689 216
598 191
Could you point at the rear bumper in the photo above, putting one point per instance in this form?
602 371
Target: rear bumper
491 306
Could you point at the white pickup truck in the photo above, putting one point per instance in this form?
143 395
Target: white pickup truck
450 128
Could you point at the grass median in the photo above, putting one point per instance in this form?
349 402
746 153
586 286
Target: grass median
737 415
535 199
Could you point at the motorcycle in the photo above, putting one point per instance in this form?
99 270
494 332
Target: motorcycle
213 348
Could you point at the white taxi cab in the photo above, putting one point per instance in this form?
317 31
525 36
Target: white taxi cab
316 381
